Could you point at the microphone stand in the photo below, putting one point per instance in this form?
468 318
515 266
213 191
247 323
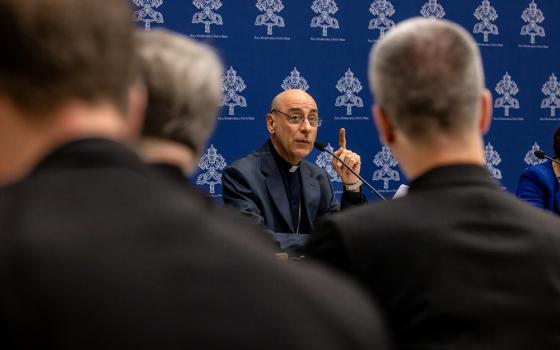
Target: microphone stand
541 155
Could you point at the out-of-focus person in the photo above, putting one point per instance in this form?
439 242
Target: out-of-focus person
182 80
99 252
457 263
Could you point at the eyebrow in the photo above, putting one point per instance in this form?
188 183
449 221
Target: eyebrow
296 109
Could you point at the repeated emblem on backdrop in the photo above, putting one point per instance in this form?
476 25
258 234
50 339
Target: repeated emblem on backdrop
212 164
382 9
552 90
324 161
486 14
231 85
207 16
432 9
507 89
349 85
533 16
515 93
530 157
385 161
269 18
324 20
492 158
295 81
147 13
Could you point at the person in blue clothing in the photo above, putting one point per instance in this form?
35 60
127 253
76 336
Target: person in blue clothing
540 184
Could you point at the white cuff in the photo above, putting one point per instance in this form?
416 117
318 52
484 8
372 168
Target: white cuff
353 186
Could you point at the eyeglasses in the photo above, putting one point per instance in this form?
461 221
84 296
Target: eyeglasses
298 118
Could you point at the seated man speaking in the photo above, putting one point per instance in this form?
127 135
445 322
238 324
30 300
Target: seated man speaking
275 185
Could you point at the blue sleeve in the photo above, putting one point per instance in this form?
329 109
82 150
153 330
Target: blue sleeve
531 189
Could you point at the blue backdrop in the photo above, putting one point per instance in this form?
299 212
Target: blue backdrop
323 45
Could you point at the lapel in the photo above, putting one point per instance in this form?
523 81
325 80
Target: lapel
311 192
274 185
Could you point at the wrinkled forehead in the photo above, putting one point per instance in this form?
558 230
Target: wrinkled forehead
297 100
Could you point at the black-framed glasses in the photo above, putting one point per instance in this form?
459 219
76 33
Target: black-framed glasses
298 118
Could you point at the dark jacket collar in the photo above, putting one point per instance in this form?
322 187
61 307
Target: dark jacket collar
171 172
85 153
453 176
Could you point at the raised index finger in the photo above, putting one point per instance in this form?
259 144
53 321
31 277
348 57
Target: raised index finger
342 138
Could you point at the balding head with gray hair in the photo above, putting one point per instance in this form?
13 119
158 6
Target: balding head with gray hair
182 79
427 76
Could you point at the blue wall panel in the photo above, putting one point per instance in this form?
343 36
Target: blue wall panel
263 61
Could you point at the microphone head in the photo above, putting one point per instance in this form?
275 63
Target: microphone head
319 146
539 154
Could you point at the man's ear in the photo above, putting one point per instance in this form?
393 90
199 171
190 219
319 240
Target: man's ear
486 111
270 124
384 126
137 102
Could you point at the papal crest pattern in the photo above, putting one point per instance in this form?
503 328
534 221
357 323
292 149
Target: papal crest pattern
349 86
530 157
432 9
492 160
507 89
270 18
207 14
147 12
325 20
385 161
232 84
212 164
295 81
486 14
533 16
322 47
551 89
383 10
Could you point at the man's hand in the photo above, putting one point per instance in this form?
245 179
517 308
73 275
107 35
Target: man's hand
350 158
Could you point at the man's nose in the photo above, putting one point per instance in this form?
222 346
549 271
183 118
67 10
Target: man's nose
305 126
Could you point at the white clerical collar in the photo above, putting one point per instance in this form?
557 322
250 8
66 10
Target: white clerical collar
294 168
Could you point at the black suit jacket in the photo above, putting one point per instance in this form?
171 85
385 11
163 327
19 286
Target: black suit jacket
253 185
456 264
97 252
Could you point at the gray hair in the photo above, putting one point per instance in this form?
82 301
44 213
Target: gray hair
183 81
427 76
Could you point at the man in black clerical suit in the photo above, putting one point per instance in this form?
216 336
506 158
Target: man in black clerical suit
98 252
457 263
275 185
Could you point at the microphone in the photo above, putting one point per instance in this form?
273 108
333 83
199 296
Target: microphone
541 155
322 148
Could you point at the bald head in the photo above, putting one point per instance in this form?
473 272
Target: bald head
427 76
279 100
